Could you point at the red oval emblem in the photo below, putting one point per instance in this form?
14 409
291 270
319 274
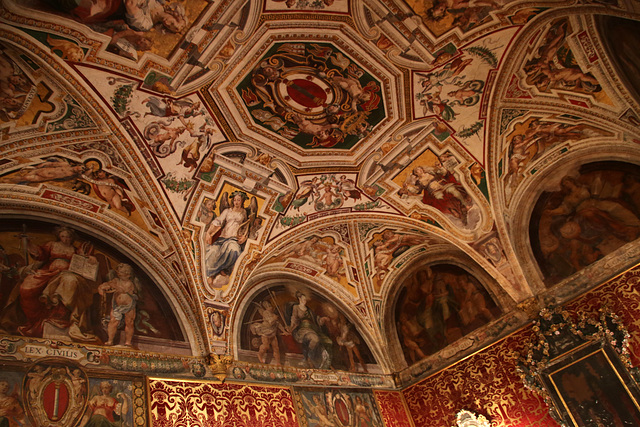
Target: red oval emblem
55 400
342 411
307 93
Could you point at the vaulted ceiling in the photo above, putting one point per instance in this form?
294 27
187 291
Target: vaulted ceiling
427 173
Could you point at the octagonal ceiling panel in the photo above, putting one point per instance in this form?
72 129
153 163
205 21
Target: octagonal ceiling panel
310 97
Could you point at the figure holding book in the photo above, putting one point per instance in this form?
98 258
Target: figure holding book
50 296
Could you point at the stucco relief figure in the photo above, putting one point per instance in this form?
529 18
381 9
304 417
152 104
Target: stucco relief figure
307 248
323 253
536 139
49 294
207 211
586 219
51 170
16 90
333 262
391 245
437 306
35 379
106 186
218 323
227 235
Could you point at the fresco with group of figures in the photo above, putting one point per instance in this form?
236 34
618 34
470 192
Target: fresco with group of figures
592 211
59 283
438 305
294 326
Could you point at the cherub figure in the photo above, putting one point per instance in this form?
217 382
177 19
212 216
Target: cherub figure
125 289
267 330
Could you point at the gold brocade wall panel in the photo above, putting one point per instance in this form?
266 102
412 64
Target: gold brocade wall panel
620 296
182 403
488 383
178 403
393 408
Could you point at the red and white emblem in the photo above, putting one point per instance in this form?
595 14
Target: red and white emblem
305 93
57 392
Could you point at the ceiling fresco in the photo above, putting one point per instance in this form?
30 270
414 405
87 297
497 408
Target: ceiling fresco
349 193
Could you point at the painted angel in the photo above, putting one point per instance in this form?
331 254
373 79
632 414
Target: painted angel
318 411
228 233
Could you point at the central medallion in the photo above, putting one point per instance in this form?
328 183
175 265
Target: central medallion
305 93
313 95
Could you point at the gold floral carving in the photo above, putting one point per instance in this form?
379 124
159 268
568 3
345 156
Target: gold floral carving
218 364
195 404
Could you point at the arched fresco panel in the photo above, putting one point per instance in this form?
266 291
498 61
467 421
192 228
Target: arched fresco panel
592 211
438 305
292 325
59 283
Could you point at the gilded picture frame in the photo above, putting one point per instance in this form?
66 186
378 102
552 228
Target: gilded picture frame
591 386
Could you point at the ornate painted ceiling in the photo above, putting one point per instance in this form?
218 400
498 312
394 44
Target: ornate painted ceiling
370 187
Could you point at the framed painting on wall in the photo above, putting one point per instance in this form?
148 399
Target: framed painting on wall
329 406
579 364
590 386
